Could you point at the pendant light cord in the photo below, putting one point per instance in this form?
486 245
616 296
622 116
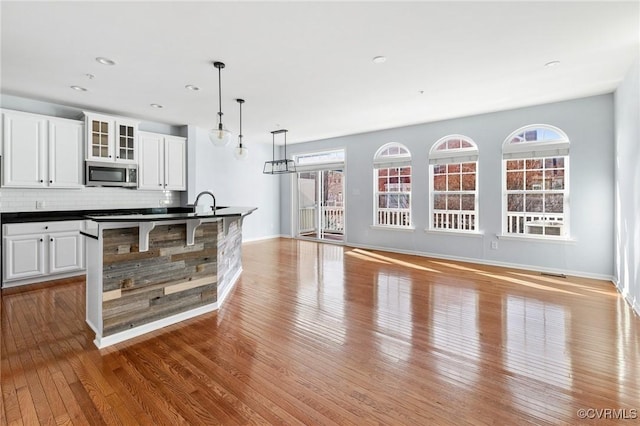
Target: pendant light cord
219 65
219 98
240 135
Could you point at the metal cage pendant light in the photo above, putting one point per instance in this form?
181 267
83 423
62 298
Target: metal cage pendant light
241 152
220 136
277 167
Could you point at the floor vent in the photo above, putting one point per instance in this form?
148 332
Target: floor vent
551 274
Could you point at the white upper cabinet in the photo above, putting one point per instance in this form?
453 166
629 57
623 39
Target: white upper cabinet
151 167
41 151
111 139
162 162
65 153
175 160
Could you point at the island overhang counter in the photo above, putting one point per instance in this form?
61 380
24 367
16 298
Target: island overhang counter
147 271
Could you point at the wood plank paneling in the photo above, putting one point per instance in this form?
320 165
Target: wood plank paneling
170 278
322 334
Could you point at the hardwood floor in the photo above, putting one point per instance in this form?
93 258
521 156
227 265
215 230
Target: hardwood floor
322 334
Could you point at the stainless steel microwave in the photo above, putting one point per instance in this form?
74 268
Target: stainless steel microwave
111 174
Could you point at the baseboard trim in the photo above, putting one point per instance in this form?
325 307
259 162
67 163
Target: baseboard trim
43 279
230 286
268 237
532 268
634 304
103 342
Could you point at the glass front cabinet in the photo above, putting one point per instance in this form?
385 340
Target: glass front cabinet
111 139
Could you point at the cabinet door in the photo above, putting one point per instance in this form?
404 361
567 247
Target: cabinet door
126 141
100 138
151 166
24 150
65 252
23 257
175 159
65 154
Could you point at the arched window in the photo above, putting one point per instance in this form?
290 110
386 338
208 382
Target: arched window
392 186
453 175
536 182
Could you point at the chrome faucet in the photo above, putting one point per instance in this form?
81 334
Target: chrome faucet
213 207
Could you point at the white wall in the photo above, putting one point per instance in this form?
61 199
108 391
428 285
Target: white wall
208 168
22 200
627 186
234 182
589 124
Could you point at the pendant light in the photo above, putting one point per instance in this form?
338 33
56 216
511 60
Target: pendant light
277 167
240 152
220 136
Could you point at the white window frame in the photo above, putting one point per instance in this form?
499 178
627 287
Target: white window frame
314 166
381 162
537 150
456 156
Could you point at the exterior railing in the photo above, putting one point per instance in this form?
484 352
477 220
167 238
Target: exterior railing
394 217
332 219
307 219
535 223
455 220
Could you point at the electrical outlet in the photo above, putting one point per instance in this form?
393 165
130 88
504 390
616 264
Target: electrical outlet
40 205
494 245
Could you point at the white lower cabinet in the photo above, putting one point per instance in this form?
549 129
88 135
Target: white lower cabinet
24 257
40 251
65 252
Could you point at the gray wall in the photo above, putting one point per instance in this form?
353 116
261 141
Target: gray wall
627 186
589 124
234 182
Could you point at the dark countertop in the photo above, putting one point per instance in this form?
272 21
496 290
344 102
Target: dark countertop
51 216
220 212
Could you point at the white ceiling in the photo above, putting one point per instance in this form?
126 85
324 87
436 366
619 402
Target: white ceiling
307 66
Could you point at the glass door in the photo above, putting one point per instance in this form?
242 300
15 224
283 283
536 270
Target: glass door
308 205
321 205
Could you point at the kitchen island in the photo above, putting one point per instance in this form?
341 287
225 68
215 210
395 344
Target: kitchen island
147 271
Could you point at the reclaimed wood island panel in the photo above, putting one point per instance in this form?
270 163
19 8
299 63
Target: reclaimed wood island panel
145 272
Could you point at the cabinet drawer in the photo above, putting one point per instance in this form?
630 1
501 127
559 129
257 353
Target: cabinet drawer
41 227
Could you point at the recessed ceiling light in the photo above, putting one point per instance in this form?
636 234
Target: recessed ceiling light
79 88
379 59
552 64
105 61
158 106
192 87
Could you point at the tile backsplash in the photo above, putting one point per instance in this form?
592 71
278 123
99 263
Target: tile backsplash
26 200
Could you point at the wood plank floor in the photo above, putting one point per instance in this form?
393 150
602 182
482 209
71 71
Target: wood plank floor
320 334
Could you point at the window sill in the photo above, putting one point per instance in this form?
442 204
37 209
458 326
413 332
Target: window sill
537 239
393 228
473 234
